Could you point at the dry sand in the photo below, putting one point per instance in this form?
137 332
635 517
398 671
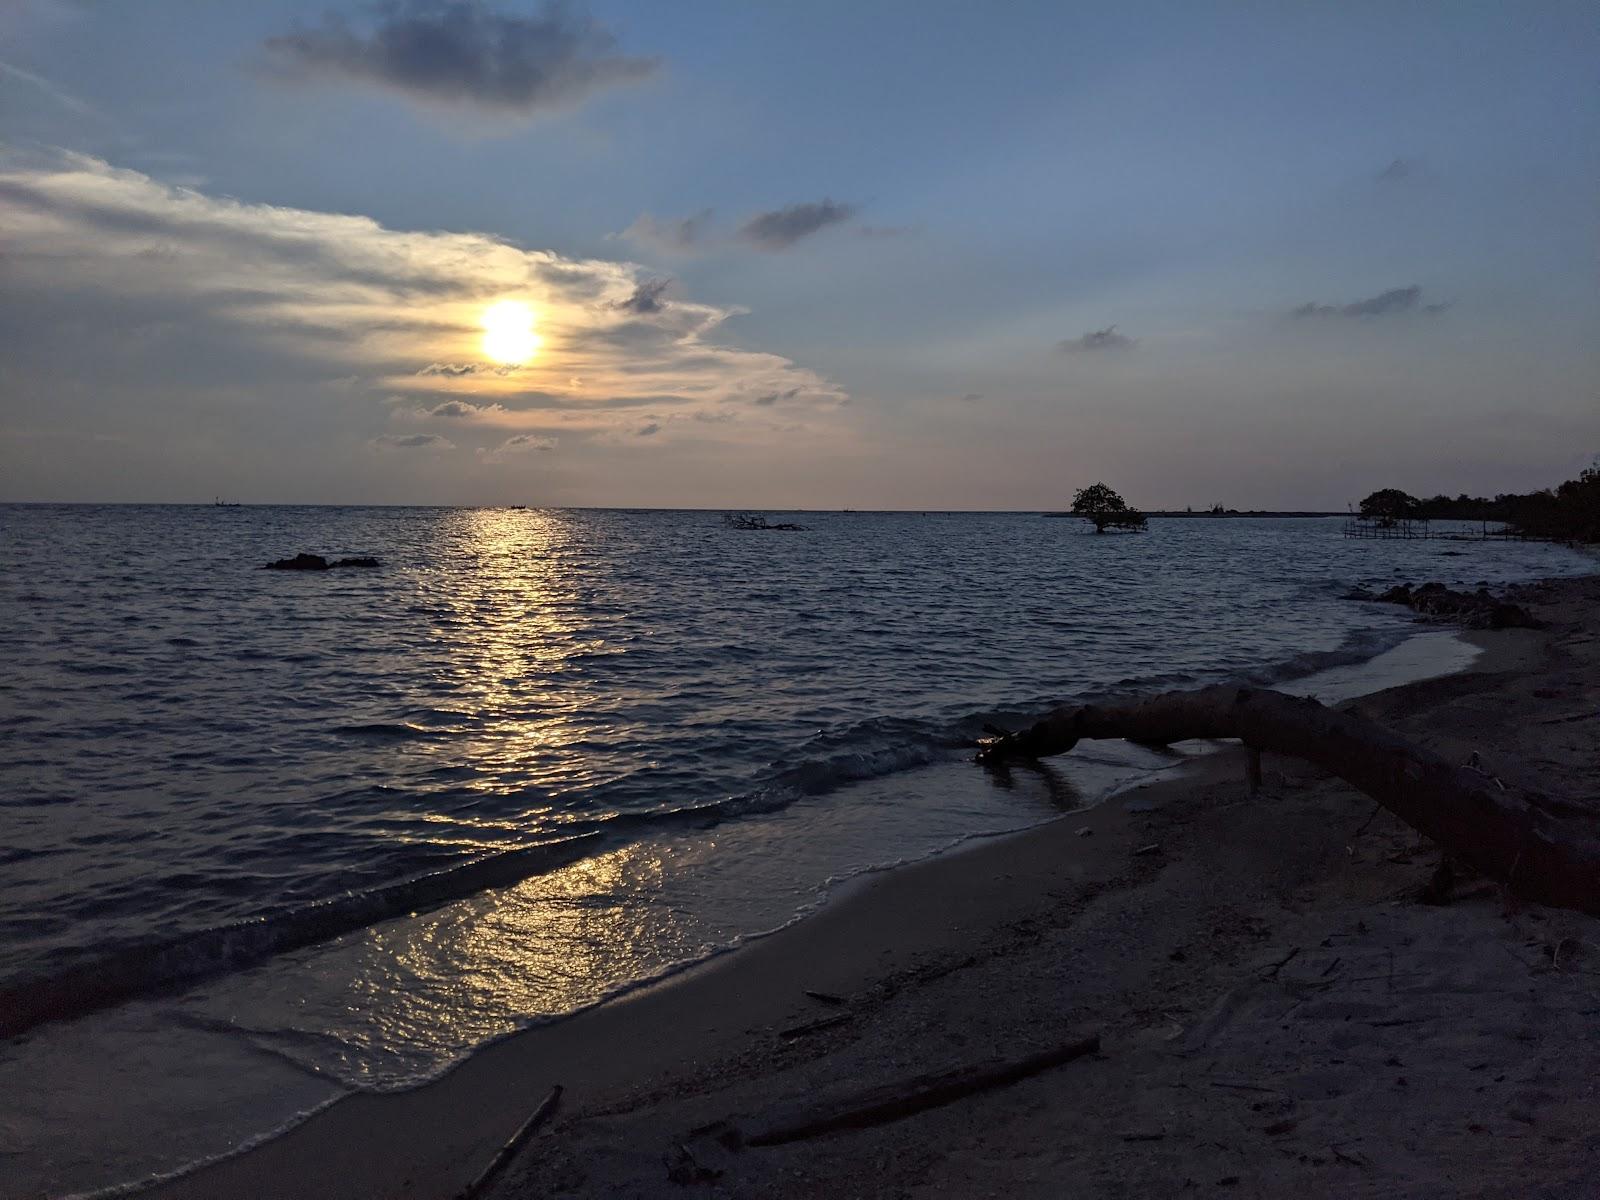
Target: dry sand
1278 1013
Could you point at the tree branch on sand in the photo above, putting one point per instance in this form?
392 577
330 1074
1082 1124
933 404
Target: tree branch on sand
1541 849
1106 509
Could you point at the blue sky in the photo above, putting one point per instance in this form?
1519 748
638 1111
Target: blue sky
942 255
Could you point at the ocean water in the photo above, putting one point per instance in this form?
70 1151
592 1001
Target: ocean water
274 836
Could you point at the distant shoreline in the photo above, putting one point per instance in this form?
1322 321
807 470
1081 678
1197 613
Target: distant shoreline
1230 513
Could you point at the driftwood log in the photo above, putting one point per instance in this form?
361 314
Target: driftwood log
1542 850
878 1106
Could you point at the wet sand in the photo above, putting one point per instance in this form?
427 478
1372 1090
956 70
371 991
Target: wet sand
1277 1013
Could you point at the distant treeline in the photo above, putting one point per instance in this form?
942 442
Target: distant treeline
1569 513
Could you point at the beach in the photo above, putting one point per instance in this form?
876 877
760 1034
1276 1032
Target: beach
1275 1010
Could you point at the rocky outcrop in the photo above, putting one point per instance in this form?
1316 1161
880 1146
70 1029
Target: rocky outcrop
1474 610
315 562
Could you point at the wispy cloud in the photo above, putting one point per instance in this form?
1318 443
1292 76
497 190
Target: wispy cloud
465 52
197 296
783 227
1384 304
680 235
1098 339
57 93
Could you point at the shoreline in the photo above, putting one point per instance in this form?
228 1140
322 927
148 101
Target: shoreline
260 1083
426 1141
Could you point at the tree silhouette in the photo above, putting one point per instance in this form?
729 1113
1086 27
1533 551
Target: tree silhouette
1106 509
1390 504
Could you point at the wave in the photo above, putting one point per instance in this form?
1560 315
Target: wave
868 749
157 964
396 730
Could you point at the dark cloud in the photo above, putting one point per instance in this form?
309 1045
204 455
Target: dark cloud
771 398
783 227
525 443
461 410
412 441
1400 168
450 370
1384 304
646 298
675 236
1098 339
972 397
649 429
464 52
517 444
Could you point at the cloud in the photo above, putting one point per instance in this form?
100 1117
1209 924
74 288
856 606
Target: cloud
412 441
649 429
1384 304
1398 169
453 370
465 53
971 397
673 236
461 410
783 227
196 306
1098 339
770 398
646 298
59 94
519 444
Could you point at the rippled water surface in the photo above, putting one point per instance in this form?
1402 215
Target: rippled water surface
538 754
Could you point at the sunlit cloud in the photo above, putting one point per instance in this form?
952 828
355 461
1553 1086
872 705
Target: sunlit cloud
252 300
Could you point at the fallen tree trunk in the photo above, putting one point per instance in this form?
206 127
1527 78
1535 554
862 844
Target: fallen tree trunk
1509 834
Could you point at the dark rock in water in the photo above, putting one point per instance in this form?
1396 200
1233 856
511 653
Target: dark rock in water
1475 610
315 562
300 562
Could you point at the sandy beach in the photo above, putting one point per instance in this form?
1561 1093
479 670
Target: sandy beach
1276 1010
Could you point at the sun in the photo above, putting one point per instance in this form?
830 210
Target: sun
508 336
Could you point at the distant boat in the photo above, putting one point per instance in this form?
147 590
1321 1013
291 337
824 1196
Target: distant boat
519 508
219 502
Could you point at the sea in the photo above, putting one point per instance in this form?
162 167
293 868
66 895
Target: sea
273 837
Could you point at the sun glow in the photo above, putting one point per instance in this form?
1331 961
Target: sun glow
508 336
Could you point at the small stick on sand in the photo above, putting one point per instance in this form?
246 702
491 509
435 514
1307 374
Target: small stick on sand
795 1031
509 1151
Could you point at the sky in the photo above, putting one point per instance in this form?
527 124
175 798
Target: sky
796 255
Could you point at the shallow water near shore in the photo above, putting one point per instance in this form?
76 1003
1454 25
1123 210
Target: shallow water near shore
378 819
